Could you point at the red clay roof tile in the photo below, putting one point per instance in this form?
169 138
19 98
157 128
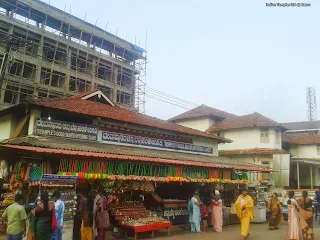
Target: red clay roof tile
252 120
301 139
96 109
257 151
202 111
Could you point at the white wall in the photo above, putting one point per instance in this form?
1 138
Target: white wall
265 160
201 124
247 138
32 121
5 127
304 151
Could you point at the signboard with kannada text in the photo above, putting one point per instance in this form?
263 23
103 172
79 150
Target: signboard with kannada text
152 142
55 128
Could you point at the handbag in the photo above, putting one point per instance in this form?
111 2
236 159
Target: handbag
54 222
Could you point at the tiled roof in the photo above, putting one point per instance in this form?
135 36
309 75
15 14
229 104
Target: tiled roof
252 120
96 109
112 151
302 125
301 139
252 151
202 111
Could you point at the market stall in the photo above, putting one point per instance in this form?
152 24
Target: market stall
66 185
136 182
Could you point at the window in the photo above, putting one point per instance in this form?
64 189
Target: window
277 136
220 134
264 135
318 149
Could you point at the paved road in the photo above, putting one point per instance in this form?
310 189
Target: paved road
257 232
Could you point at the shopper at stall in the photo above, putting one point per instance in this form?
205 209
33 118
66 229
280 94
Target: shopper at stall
204 216
43 220
194 212
293 218
77 221
306 216
100 215
16 217
86 229
276 212
245 212
217 216
317 204
59 211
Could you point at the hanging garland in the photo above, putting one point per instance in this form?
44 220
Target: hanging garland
90 169
96 176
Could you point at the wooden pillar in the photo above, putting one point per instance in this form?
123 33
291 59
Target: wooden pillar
298 175
311 177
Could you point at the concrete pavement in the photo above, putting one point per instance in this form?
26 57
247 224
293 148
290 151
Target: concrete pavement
257 232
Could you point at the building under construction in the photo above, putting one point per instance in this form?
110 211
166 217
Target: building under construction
47 52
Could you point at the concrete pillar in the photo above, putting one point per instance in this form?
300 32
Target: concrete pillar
68 63
298 175
93 71
38 68
311 177
32 121
115 84
39 64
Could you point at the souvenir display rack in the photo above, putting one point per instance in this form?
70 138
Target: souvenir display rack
135 217
174 210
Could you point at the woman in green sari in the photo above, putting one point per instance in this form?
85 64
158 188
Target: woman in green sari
41 219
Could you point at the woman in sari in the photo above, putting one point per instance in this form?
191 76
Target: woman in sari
217 216
41 219
306 216
194 213
245 212
86 228
276 212
293 218
100 215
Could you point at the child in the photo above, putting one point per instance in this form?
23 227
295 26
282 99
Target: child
204 216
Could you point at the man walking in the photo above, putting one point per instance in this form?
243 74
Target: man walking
59 210
16 217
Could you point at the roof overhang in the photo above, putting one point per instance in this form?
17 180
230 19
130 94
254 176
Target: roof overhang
311 161
122 157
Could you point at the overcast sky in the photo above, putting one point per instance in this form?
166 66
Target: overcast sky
237 56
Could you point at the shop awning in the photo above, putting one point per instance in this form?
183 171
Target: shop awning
46 145
132 158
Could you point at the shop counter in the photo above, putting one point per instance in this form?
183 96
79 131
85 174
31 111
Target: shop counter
147 228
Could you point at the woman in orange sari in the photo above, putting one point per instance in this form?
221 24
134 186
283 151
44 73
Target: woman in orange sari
306 216
276 212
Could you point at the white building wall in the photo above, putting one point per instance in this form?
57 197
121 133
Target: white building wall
5 127
304 151
35 113
247 138
262 160
201 124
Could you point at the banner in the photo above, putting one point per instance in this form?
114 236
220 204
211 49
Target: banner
54 128
151 142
